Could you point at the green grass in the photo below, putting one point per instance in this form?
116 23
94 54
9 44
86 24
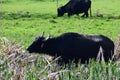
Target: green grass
20 27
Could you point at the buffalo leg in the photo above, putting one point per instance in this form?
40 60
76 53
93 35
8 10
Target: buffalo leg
69 14
85 14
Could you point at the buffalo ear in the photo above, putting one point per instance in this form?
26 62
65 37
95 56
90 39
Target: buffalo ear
42 45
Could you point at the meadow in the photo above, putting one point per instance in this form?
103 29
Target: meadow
23 20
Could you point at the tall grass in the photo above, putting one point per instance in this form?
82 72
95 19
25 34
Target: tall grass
16 64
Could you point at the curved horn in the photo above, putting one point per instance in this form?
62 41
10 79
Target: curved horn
48 36
42 34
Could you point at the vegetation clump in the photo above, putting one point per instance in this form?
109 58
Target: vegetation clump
16 63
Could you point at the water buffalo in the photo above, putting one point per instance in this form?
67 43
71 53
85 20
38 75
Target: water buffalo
75 7
72 46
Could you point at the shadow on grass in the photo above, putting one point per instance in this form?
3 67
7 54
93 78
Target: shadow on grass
105 17
20 14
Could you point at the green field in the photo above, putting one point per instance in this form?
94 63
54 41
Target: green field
23 20
19 27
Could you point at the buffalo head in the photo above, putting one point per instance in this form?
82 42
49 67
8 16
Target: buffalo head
60 11
37 45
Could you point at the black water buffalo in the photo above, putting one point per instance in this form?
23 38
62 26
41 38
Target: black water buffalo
75 7
73 46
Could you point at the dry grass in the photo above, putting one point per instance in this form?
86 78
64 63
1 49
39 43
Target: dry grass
17 59
117 48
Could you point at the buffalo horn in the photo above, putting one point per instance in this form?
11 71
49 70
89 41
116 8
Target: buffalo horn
42 34
48 36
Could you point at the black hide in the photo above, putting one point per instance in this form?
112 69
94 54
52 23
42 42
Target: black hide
73 46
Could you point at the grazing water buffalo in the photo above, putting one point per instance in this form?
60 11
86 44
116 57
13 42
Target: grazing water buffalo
73 46
75 7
